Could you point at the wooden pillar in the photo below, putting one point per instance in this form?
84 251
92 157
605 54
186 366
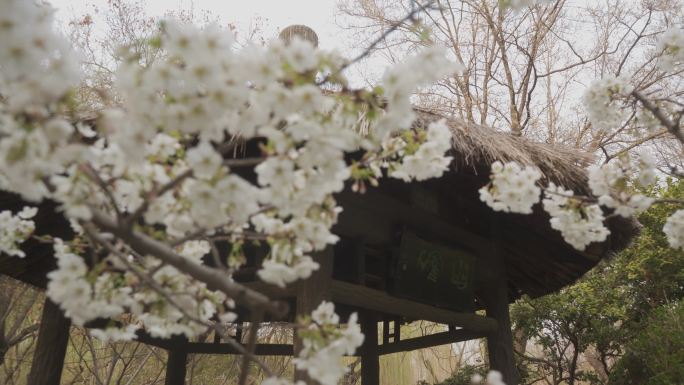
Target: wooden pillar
53 337
176 365
500 343
370 357
494 295
310 293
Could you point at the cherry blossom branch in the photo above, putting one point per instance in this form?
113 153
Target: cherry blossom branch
244 162
248 353
214 279
223 149
138 213
90 172
194 235
672 126
669 201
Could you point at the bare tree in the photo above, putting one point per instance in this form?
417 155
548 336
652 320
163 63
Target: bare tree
95 362
525 72
19 321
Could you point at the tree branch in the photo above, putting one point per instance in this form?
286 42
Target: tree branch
214 279
672 126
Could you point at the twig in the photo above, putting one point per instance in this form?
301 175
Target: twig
415 10
93 234
672 127
131 219
244 162
224 149
215 279
90 172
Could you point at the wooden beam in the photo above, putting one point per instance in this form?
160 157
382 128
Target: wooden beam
366 298
143 337
224 348
370 357
431 340
53 337
371 217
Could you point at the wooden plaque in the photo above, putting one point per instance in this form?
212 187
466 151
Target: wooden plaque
434 274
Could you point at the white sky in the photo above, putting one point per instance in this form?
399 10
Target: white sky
278 14
275 15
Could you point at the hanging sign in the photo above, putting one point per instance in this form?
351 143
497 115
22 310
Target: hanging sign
434 274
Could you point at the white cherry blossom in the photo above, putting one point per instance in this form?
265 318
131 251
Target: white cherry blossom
600 98
16 229
671 43
580 224
610 183
513 188
326 344
674 230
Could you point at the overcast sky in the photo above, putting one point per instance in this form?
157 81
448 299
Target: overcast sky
278 14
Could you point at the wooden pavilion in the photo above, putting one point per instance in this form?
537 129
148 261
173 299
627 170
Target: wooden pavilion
423 251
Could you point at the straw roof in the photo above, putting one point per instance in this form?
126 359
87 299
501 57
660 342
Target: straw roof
538 260
475 146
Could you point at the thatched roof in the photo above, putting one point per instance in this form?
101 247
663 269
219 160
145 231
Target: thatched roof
538 260
475 146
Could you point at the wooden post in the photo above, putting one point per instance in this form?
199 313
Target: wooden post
500 343
310 293
176 365
370 357
53 337
494 295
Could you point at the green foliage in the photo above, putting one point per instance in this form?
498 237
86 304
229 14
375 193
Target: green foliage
655 355
607 308
653 272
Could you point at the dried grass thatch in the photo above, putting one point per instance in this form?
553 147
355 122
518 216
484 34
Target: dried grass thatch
538 260
477 147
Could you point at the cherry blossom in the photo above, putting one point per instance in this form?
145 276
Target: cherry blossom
512 188
158 156
325 344
160 163
674 230
15 229
580 224
36 65
672 44
424 160
610 183
600 101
